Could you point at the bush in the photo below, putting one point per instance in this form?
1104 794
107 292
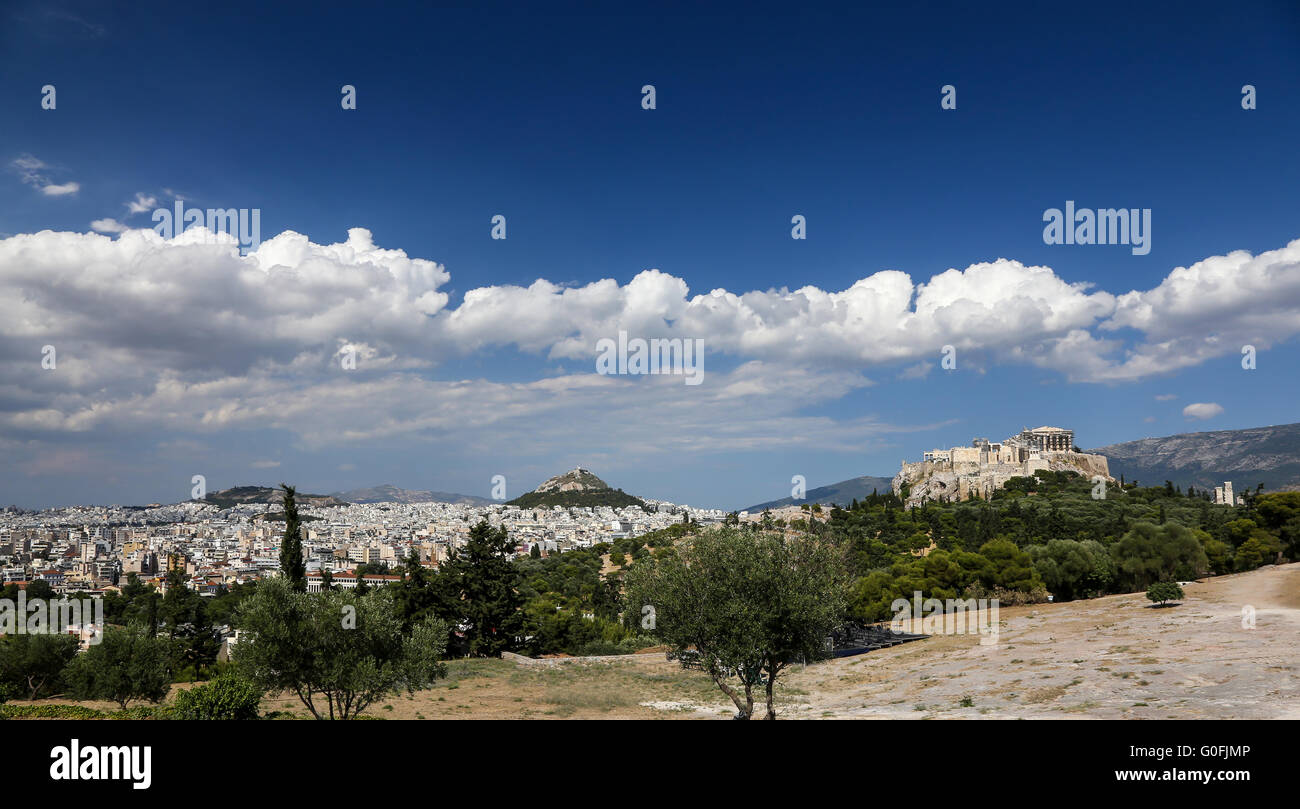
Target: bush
51 712
227 697
1164 591
79 712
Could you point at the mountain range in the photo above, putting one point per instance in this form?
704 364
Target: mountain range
842 493
240 495
389 493
1267 455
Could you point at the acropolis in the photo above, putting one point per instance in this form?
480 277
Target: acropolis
985 466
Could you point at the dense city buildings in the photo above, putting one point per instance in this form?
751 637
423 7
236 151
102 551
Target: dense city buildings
94 549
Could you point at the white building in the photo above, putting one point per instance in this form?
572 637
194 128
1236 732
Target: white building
1223 495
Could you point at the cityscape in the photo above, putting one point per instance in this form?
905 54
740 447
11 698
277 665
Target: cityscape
90 549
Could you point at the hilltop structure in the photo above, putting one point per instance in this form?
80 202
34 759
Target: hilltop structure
985 466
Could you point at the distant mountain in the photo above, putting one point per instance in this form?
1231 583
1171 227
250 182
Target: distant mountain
1268 455
842 493
240 495
389 493
578 487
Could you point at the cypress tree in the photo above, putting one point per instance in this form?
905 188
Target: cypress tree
292 567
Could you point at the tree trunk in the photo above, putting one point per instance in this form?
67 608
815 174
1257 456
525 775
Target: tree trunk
771 697
743 712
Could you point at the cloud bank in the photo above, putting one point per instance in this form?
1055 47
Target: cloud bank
185 334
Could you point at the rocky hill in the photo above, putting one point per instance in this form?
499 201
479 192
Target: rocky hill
578 487
240 495
1267 455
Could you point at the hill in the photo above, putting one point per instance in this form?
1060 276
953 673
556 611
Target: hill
578 487
240 495
389 493
842 493
1268 455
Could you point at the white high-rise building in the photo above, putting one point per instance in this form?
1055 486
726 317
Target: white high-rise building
1223 495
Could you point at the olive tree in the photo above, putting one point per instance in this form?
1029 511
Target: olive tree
744 605
127 664
334 647
34 663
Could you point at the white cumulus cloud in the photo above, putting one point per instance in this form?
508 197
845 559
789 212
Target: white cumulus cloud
188 336
107 226
1199 411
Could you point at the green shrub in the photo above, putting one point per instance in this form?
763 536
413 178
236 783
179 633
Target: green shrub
80 712
226 697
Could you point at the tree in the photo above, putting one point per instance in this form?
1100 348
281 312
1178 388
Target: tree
477 591
39 590
1280 512
195 641
744 605
1151 553
34 663
1259 549
414 596
1164 591
1073 569
335 648
125 665
1218 554
1014 570
292 566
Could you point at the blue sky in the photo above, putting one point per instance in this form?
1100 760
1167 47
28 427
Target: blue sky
762 113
